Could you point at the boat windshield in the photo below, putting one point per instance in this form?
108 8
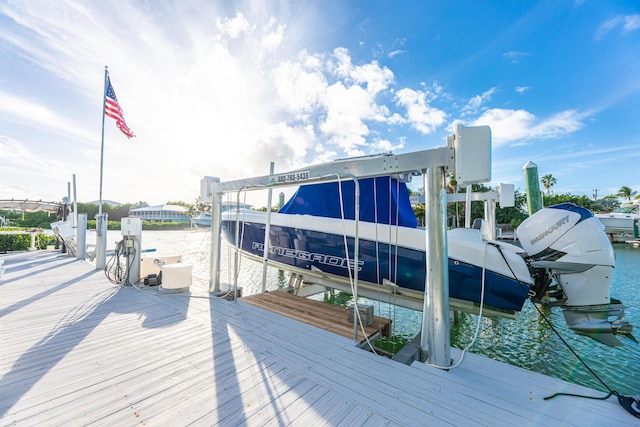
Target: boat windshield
628 210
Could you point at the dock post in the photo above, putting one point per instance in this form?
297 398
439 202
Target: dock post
532 187
267 232
81 236
101 241
435 338
216 229
467 207
75 215
490 215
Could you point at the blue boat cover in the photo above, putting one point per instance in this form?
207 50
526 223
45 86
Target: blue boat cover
391 200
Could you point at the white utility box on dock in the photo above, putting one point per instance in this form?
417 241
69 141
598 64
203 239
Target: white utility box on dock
176 276
151 262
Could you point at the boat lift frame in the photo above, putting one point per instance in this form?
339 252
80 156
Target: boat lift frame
467 155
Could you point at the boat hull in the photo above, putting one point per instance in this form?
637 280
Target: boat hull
302 248
618 223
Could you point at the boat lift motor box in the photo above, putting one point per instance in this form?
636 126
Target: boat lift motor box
473 154
176 277
366 313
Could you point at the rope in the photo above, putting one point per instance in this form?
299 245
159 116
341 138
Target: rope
356 312
479 322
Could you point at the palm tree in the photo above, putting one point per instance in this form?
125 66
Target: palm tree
626 192
548 181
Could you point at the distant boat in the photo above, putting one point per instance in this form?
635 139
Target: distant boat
203 219
620 221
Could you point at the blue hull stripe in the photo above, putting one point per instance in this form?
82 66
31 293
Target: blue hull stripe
306 248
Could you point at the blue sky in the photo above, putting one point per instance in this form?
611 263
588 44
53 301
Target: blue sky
223 88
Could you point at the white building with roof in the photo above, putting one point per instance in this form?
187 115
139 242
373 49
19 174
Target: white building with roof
162 213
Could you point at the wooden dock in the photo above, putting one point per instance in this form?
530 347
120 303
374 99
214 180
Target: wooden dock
329 317
76 350
635 243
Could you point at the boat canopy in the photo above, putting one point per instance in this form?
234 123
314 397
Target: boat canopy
384 200
29 205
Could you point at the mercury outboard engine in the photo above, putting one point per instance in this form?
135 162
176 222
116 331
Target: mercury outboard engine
566 242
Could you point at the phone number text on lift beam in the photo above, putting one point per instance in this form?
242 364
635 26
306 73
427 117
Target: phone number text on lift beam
292 177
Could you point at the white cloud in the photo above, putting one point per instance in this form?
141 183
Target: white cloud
475 104
235 26
374 77
31 166
23 110
627 23
343 108
18 154
397 52
386 146
347 107
518 125
522 89
422 117
275 35
515 56
300 88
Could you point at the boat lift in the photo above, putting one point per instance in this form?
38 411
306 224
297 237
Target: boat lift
467 155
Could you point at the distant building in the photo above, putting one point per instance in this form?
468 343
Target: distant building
162 213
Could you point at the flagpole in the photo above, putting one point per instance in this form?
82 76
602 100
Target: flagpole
101 220
104 106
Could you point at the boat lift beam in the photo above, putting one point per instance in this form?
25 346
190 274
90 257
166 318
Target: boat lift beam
359 167
467 155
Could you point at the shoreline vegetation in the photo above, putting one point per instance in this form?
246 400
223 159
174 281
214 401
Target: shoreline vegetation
509 216
22 242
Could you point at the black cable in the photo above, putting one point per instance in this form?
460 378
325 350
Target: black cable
627 402
113 270
574 353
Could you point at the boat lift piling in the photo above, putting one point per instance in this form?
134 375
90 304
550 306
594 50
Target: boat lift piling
468 153
505 196
267 230
435 338
216 228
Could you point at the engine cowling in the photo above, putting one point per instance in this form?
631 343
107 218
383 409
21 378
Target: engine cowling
568 242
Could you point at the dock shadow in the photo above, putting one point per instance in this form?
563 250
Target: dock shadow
74 327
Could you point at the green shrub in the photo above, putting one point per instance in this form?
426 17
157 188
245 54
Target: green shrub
22 242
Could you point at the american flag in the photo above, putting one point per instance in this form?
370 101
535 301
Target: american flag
112 109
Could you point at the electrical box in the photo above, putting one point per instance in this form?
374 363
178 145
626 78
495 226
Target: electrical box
507 195
131 226
206 192
472 154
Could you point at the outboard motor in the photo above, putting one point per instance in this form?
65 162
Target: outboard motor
566 242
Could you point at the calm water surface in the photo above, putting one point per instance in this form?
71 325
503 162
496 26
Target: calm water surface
527 341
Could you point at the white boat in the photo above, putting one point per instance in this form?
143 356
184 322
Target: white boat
314 235
621 220
203 219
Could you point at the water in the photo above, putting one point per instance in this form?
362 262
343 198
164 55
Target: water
526 341
530 343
